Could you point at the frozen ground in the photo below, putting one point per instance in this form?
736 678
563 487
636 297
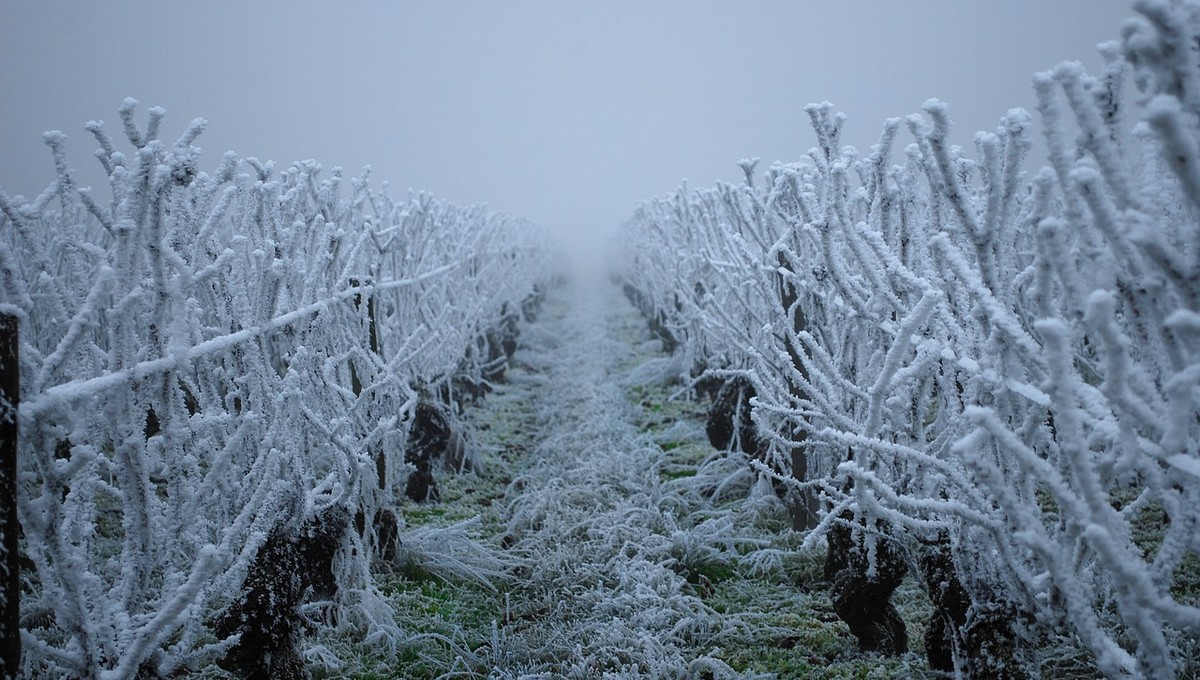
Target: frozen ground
608 541
603 537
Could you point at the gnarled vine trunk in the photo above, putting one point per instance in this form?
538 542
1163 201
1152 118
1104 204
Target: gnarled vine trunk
862 591
291 568
432 438
969 636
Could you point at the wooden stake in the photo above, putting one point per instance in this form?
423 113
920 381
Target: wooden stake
10 576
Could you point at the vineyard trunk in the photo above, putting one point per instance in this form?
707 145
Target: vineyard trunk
803 506
290 569
862 595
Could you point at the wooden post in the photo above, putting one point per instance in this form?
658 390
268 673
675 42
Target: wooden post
10 577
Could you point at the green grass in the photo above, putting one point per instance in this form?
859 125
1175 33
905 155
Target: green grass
678 473
449 625
794 632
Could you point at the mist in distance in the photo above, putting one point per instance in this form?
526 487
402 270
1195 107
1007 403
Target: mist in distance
567 114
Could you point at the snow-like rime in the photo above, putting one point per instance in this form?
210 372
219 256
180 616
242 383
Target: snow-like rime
998 373
951 369
218 365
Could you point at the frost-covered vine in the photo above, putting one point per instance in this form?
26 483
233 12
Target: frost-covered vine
976 359
210 360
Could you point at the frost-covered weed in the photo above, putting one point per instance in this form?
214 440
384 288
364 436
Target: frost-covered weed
453 553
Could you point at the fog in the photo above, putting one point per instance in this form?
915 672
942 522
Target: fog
568 114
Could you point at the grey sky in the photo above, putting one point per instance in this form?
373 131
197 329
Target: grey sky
568 113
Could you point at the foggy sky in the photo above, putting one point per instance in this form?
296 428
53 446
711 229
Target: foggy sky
567 113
